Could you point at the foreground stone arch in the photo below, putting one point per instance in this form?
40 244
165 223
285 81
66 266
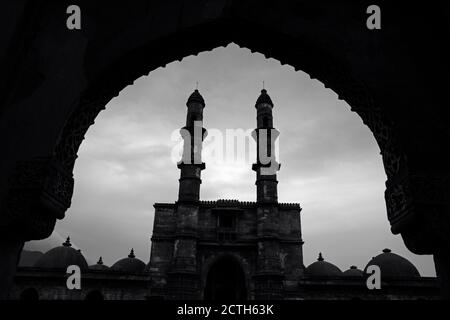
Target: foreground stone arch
59 80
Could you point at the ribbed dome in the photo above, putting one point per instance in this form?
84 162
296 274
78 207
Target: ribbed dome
196 97
353 272
322 268
130 264
99 266
61 257
393 266
264 98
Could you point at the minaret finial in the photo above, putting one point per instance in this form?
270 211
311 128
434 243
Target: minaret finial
195 97
131 255
196 85
67 243
264 97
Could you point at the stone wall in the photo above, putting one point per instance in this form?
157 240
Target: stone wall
239 242
51 285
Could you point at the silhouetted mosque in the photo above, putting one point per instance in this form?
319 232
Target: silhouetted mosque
224 249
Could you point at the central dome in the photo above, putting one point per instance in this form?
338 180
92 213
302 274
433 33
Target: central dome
322 268
353 272
99 266
61 257
393 266
129 264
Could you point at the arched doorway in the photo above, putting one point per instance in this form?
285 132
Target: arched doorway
225 281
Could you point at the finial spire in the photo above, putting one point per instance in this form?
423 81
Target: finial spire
195 97
264 97
320 258
131 255
196 85
67 243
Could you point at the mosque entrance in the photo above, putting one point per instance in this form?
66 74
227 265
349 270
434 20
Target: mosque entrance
225 281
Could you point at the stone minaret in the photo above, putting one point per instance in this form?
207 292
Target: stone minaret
184 267
269 274
266 166
191 163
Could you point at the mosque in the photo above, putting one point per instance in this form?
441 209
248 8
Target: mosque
220 250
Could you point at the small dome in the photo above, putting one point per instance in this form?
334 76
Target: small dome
99 266
61 257
353 272
322 268
130 264
264 98
196 97
393 266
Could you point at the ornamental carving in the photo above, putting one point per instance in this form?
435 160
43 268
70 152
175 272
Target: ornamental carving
41 191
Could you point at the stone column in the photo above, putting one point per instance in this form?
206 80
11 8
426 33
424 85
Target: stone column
269 276
184 278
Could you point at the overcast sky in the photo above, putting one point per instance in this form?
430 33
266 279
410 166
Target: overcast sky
331 163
